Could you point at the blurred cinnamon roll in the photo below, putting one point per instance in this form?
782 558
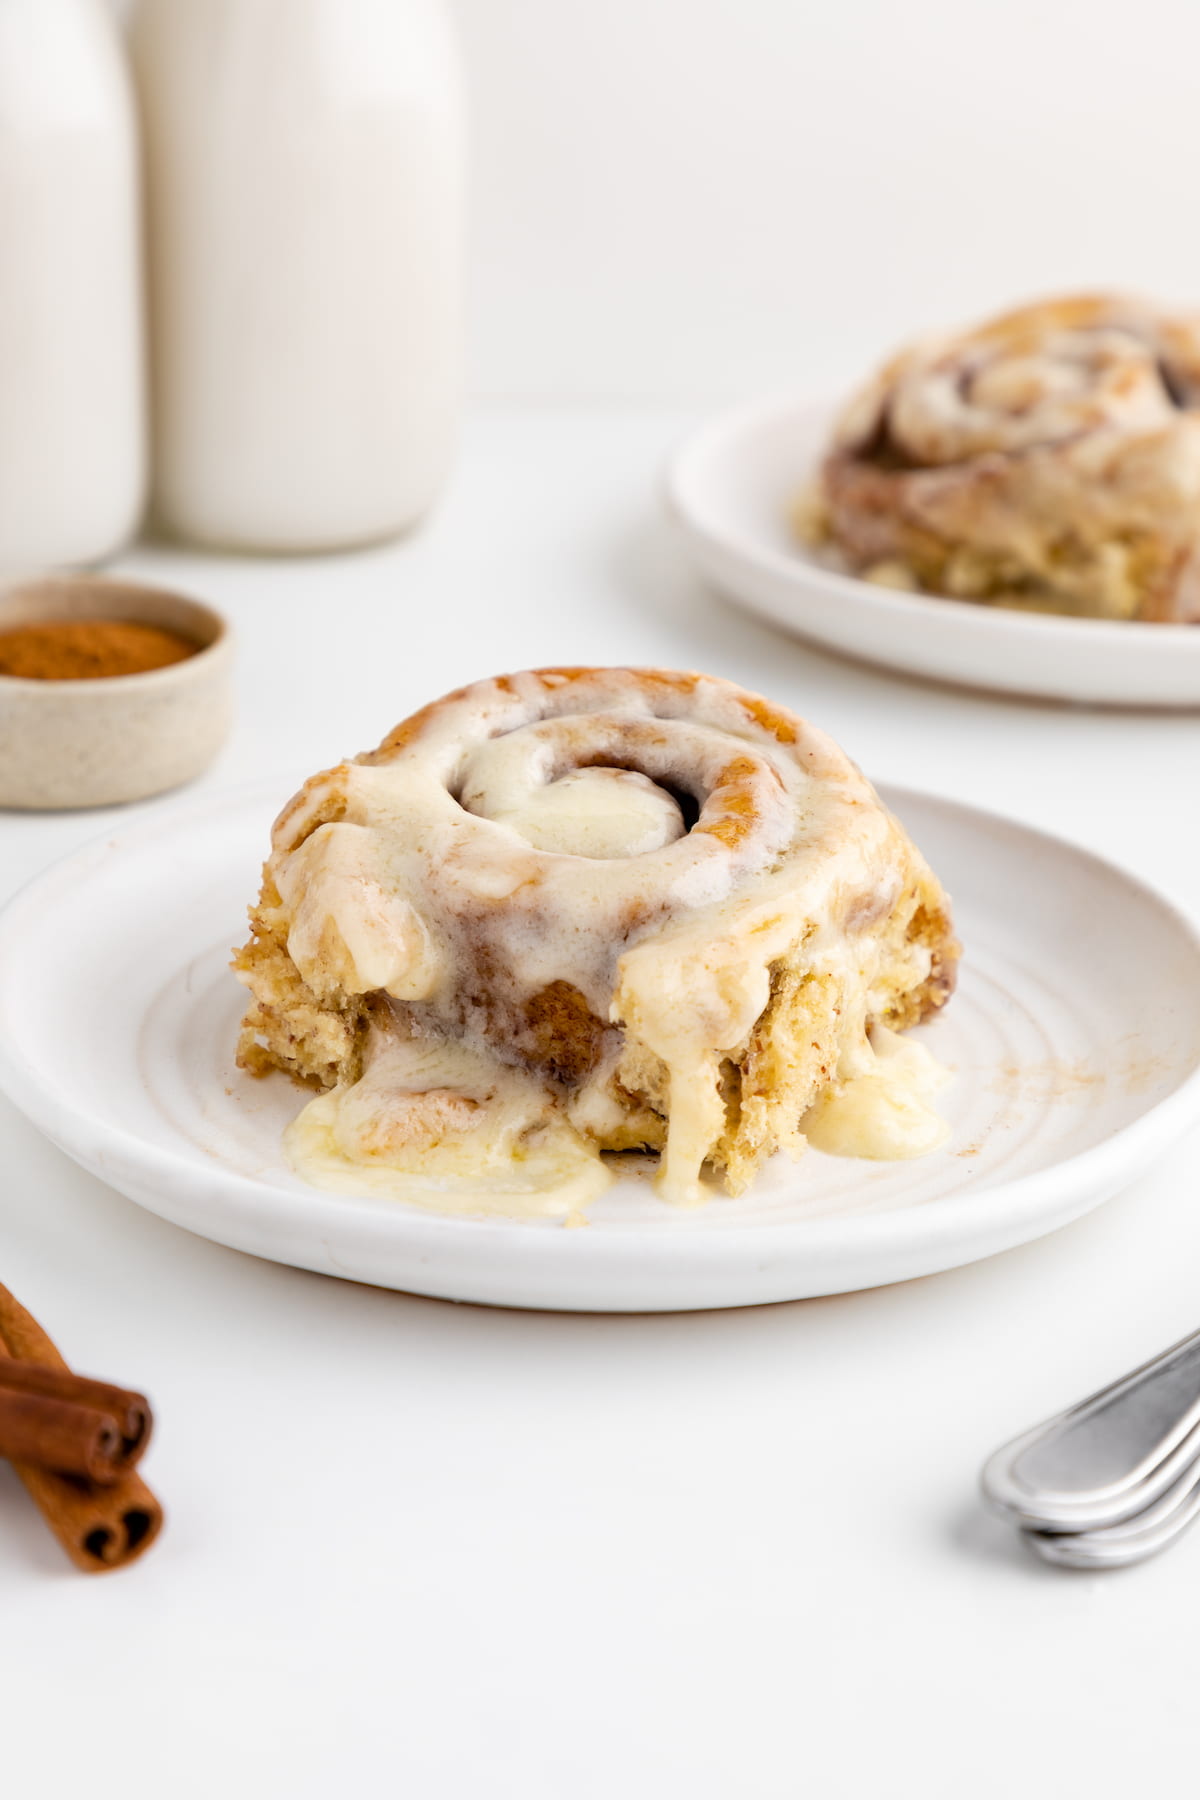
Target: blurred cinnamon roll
584 910
1049 460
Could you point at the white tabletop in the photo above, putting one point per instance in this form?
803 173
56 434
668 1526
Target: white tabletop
446 1551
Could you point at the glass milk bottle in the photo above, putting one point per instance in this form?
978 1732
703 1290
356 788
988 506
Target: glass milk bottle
72 429
304 198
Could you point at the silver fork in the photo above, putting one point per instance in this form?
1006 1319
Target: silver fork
1113 1478
1133 1539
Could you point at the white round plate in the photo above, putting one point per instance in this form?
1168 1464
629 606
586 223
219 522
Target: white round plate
732 486
1074 1040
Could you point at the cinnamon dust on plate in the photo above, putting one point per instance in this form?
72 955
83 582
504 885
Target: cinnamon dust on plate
89 649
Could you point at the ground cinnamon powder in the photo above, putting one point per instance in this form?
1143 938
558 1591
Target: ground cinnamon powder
89 649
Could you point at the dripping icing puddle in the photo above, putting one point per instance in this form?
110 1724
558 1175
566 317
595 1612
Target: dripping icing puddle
444 1127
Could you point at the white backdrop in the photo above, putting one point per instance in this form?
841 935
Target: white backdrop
678 200
692 199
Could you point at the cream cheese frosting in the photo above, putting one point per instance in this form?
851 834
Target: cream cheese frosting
884 1111
446 1127
567 897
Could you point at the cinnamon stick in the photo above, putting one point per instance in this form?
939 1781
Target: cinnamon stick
100 1528
60 1435
129 1412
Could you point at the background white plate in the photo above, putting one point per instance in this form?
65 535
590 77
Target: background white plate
1075 1037
731 487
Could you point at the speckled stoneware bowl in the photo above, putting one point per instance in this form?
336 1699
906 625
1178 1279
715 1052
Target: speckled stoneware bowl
122 737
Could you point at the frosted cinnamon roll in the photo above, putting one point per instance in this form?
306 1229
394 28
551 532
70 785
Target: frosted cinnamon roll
1049 459
578 911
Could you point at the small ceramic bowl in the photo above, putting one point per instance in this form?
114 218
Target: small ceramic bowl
123 737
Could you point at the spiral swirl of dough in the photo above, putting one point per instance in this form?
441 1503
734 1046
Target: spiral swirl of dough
1048 459
549 820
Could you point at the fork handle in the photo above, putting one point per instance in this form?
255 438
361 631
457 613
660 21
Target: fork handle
1106 1444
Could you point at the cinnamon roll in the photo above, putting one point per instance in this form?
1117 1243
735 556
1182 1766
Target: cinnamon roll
577 911
1048 460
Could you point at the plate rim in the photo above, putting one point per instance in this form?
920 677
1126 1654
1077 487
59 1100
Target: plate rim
725 428
660 1248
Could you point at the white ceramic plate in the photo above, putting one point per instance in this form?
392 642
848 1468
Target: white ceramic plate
1075 1040
731 486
